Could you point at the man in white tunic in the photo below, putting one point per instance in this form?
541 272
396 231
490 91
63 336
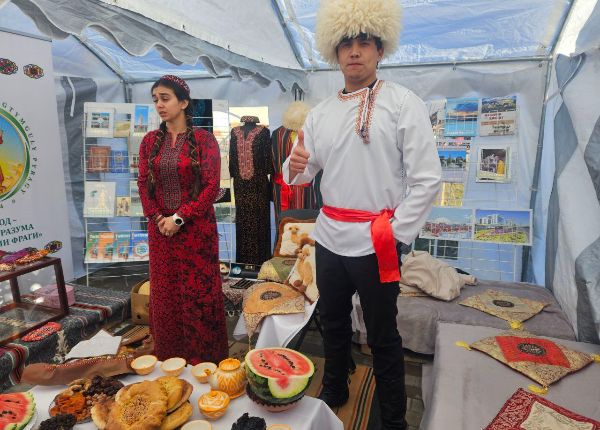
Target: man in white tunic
381 172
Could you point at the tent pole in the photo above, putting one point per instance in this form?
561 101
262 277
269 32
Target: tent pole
526 258
288 35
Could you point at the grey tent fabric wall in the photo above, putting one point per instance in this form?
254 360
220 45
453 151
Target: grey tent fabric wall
75 92
585 307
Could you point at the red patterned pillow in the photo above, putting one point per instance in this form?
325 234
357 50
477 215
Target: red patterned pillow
541 359
528 411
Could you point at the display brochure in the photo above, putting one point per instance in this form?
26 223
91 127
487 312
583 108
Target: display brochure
123 206
493 164
449 224
100 122
503 226
106 246
134 152
91 247
141 120
136 203
122 246
437 116
122 124
461 117
119 161
98 159
498 116
99 199
139 246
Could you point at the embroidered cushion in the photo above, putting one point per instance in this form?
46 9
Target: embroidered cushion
303 276
293 234
505 306
277 269
540 359
269 298
528 411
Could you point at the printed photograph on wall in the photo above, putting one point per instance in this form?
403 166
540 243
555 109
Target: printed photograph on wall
448 223
503 226
498 116
100 122
437 116
493 164
454 164
461 117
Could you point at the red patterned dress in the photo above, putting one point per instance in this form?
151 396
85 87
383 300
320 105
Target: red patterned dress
187 316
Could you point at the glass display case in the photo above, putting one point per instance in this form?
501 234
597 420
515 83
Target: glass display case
29 311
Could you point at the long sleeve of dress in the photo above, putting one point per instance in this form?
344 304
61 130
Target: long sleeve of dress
210 169
233 158
148 204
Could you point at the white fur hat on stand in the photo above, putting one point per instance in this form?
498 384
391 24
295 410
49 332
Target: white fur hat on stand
294 115
338 19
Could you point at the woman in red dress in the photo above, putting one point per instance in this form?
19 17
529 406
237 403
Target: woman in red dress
178 181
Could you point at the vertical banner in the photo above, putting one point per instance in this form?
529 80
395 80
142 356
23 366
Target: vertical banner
33 204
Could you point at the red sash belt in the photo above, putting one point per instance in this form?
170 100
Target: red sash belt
381 235
286 191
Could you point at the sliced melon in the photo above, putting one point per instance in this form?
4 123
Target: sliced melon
16 410
278 375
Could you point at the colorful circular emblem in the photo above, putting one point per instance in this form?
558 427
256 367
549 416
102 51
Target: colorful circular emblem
33 71
14 155
8 67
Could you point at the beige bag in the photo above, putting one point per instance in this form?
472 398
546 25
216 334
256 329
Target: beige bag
433 276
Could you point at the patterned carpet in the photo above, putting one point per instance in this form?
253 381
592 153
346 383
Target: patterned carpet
93 308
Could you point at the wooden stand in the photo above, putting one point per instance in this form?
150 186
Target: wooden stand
21 326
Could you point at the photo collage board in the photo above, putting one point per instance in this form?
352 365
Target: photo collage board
476 140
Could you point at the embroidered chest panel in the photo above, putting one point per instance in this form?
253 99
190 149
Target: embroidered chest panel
169 177
244 151
366 101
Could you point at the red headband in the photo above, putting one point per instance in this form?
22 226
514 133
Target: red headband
178 81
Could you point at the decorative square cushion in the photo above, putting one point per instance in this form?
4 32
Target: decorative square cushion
277 269
540 359
303 276
293 234
505 306
269 298
528 411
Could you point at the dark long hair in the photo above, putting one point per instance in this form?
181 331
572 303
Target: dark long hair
162 134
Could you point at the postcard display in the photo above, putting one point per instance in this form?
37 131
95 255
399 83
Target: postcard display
115 226
479 222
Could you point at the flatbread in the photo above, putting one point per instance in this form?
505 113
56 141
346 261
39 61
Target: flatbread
178 418
174 388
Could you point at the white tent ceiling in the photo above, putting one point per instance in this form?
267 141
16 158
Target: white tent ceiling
273 40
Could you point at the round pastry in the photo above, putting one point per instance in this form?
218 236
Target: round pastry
143 406
174 388
178 418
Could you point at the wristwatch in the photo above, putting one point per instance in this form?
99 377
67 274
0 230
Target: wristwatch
177 219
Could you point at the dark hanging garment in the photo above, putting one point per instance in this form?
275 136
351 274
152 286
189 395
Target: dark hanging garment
250 163
286 197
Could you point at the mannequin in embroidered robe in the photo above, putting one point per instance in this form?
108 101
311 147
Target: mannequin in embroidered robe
250 163
285 197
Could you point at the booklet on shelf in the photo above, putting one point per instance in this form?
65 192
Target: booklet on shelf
99 199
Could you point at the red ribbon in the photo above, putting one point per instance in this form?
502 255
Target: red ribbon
381 235
286 191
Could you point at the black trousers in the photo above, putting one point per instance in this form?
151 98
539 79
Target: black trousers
338 277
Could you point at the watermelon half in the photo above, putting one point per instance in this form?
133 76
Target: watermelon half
16 410
278 375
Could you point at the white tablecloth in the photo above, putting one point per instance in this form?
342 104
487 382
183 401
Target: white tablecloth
309 413
277 330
